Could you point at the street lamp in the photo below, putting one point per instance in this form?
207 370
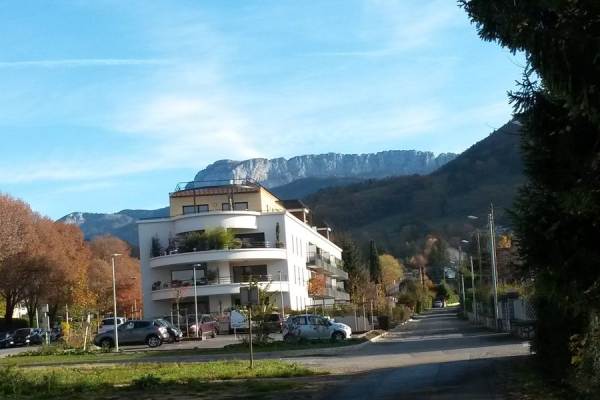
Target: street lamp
195 300
492 233
281 294
472 279
494 266
114 282
473 217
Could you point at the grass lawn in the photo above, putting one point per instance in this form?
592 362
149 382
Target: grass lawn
127 380
41 358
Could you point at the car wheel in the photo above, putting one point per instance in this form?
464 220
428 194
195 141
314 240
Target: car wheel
213 334
106 343
291 338
338 336
153 341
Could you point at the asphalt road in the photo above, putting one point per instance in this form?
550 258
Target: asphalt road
436 356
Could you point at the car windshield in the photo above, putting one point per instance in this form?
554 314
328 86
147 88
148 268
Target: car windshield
24 331
164 323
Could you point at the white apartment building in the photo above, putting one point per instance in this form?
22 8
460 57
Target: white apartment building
274 245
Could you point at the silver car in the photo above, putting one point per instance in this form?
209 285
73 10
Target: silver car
314 327
150 333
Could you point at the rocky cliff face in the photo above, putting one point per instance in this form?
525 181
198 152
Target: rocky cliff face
280 171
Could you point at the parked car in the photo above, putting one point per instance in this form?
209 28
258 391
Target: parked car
28 336
150 333
208 325
438 304
6 340
56 334
273 323
314 327
107 324
175 334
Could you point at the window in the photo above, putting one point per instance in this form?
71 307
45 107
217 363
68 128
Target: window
141 324
247 273
186 275
313 320
300 320
127 326
195 209
225 207
240 205
188 210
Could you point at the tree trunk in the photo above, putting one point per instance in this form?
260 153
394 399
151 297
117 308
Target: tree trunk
10 308
31 309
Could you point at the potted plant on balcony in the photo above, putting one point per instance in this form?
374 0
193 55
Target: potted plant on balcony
278 243
211 276
156 249
193 241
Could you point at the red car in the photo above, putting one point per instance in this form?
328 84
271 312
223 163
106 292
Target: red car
208 325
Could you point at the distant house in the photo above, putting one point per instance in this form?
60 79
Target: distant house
274 244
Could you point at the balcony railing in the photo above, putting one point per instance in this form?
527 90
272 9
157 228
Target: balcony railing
331 293
242 245
323 264
225 280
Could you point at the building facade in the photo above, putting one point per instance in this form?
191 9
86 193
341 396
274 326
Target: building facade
230 235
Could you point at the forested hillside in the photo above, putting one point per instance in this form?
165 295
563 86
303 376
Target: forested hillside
398 212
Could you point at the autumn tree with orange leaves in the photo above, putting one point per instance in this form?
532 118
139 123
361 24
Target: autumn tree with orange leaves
127 273
46 262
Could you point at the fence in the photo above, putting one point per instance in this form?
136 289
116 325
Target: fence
516 315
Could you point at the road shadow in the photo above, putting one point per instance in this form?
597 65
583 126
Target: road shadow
479 379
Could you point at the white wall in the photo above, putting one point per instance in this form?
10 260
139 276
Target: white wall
294 233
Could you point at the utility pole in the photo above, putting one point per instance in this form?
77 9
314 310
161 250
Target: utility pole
250 336
281 294
462 280
494 266
479 256
474 308
195 303
461 284
115 302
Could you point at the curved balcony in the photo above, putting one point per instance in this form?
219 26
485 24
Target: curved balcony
212 219
196 257
185 289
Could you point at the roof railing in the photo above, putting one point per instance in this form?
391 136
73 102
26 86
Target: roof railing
215 183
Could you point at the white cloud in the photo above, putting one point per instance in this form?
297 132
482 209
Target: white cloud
83 62
397 26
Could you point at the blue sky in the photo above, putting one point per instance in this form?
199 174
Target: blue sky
106 105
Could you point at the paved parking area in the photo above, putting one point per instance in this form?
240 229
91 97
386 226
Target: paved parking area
209 343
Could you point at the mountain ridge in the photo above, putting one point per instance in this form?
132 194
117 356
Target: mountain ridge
281 171
309 179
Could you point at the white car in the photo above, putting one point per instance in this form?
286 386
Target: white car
314 327
107 324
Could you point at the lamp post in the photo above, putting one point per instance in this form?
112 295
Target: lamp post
281 294
196 300
473 308
134 313
114 282
494 266
477 234
463 241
